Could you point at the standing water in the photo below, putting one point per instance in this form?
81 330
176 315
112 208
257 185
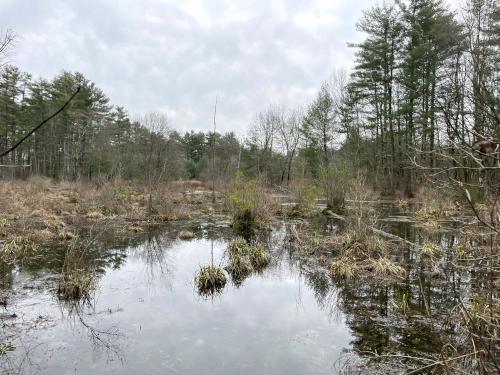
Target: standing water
146 315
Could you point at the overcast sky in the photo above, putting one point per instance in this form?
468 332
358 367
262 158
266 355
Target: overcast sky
176 56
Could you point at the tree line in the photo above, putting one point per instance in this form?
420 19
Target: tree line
424 90
93 139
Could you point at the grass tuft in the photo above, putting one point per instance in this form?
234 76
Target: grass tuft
186 235
239 266
386 267
343 268
431 249
239 245
259 257
18 247
210 280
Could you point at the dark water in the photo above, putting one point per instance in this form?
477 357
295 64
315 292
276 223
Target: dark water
293 318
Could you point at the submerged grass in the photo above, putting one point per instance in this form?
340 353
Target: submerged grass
210 280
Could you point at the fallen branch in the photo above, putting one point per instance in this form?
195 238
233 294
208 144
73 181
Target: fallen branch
380 232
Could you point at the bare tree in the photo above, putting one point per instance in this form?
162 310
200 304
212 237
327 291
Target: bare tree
155 151
289 136
7 39
262 135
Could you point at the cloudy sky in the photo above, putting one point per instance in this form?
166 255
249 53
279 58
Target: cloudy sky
176 56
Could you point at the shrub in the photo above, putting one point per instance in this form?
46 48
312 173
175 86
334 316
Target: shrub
250 204
305 198
335 183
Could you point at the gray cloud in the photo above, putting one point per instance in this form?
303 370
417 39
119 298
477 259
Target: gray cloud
176 56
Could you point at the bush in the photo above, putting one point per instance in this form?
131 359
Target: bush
305 198
250 204
335 182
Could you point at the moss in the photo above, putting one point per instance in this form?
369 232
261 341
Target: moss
210 280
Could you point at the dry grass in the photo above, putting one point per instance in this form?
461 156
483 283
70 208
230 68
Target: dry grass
431 249
386 267
239 266
18 247
259 257
185 235
343 268
78 278
210 280
44 210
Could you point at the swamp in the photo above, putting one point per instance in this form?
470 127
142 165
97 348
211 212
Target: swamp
250 187
141 308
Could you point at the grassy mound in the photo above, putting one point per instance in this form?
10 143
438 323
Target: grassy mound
186 235
210 280
259 257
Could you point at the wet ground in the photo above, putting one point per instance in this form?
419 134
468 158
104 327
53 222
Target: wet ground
293 318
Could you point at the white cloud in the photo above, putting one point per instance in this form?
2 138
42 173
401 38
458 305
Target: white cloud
176 56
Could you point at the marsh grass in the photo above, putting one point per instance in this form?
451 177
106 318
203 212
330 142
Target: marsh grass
245 258
210 280
431 249
239 266
386 267
250 204
186 235
343 268
78 277
17 248
259 257
238 245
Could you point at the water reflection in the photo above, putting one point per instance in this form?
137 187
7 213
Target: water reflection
293 318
